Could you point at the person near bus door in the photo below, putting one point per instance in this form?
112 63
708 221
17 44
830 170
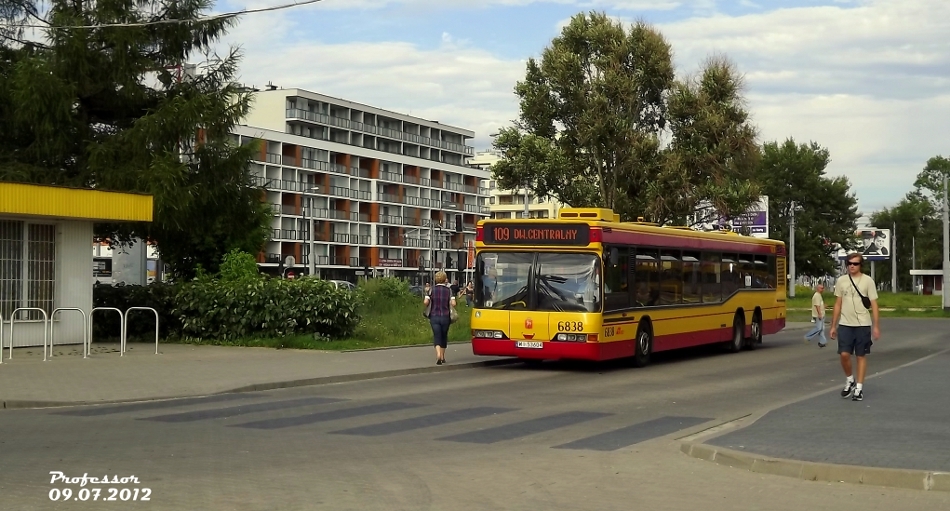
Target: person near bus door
856 309
440 314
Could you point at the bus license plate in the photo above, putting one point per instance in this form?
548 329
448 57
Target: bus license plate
529 344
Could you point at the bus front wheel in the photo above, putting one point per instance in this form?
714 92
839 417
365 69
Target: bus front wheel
644 347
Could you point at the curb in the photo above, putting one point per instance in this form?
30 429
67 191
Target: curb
15 404
812 471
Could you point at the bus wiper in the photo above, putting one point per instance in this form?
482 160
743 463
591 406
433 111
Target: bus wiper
553 278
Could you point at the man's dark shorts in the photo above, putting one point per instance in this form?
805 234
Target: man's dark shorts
855 340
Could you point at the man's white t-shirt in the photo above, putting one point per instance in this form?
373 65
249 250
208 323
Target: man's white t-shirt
853 312
817 301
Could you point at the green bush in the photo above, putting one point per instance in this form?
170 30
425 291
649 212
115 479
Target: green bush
384 289
238 266
265 307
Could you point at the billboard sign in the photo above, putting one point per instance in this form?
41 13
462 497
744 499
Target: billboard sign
755 221
875 243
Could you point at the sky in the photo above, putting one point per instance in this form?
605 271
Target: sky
867 79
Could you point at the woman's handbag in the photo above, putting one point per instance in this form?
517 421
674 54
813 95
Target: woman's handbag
428 309
453 314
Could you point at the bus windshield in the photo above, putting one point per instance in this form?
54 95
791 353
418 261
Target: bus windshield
554 282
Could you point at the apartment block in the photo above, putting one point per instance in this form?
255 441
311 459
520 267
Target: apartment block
385 193
511 203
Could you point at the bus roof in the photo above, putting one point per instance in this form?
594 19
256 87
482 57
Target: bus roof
645 233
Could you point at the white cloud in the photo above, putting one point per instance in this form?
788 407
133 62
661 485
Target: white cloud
868 82
868 79
453 83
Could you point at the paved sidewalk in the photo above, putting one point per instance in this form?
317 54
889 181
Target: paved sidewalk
182 370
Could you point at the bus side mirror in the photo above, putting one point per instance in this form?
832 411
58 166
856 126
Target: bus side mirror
614 256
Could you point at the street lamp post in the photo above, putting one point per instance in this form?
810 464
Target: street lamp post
791 252
946 244
311 266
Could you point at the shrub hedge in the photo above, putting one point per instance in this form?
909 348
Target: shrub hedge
231 309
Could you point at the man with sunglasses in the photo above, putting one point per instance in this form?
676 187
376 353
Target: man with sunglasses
856 308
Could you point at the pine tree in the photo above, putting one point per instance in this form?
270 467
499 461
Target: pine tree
111 107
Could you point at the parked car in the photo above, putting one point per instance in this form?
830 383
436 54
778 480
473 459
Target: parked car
342 284
417 290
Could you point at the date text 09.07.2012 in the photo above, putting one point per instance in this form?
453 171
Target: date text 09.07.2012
101 494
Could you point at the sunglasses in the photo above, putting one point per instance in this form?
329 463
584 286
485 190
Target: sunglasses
853 264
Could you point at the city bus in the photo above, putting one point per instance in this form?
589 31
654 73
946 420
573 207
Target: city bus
587 286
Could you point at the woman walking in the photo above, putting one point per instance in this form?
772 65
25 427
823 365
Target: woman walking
440 301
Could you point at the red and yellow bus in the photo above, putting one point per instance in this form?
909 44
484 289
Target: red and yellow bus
587 286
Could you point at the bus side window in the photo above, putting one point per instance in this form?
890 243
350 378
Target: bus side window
712 277
730 275
647 278
692 279
616 278
760 277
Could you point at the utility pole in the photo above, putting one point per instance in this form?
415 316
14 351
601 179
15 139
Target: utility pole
913 262
946 244
894 258
791 252
526 215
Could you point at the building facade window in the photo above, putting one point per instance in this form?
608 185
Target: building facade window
27 267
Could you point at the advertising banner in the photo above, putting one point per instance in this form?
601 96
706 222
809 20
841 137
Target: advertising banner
755 221
875 243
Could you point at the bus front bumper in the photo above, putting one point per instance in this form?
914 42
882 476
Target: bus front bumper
552 350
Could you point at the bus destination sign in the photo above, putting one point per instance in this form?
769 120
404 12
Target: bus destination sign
536 234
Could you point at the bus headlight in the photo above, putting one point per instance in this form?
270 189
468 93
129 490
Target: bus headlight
572 337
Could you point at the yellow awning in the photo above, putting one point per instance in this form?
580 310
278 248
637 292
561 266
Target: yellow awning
74 203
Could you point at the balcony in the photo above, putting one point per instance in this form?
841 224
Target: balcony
315 164
393 241
358 217
336 214
319 260
361 195
417 243
388 197
340 122
338 191
273 258
336 167
390 176
337 237
289 210
359 262
390 219
272 158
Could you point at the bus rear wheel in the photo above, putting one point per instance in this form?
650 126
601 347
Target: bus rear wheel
756 339
643 348
738 336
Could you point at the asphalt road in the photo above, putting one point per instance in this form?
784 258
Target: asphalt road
558 436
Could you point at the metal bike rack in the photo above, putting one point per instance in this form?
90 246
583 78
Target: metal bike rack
121 326
85 329
126 326
13 322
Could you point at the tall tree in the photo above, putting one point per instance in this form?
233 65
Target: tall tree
604 122
918 225
109 107
825 208
929 181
